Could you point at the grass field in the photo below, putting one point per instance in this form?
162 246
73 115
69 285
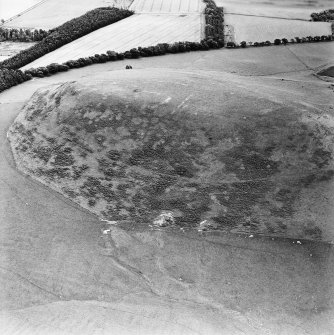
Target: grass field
267 20
260 29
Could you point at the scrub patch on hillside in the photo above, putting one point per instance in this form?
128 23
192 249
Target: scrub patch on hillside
131 159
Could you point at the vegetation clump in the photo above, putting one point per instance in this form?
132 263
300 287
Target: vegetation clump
324 16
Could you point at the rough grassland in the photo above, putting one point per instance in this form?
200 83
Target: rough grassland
130 148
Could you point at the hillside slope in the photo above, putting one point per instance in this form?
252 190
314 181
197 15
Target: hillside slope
140 146
49 14
61 275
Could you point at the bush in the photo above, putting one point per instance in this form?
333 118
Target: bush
285 41
66 33
127 54
267 43
243 44
231 45
120 56
324 16
53 68
134 53
277 41
212 44
256 44
112 55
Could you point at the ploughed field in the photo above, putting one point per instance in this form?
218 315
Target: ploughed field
167 6
137 30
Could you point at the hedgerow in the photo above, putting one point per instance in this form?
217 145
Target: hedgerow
9 78
110 56
283 41
66 33
214 22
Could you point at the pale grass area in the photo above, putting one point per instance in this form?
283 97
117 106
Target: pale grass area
301 4
268 11
257 21
138 30
9 49
52 13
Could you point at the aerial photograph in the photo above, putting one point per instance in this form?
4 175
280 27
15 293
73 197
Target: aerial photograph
167 167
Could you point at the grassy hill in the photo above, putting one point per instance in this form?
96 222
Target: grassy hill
130 146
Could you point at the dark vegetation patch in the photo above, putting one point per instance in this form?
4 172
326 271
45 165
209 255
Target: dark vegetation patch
324 16
329 72
54 173
245 173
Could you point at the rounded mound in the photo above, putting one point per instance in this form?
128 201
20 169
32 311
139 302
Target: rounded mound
133 145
